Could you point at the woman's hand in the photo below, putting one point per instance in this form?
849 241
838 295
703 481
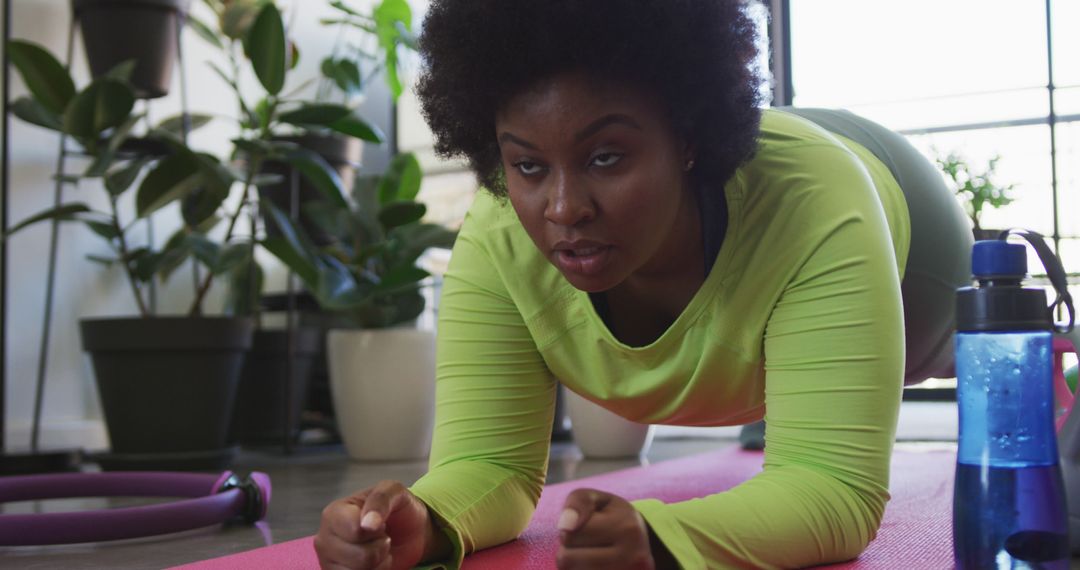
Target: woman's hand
601 530
384 527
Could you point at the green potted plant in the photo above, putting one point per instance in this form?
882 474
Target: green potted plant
977 189
167 383
146 31
368 274
367 45
252 37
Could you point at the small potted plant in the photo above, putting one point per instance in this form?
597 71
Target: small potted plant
382 371
977 189
166 383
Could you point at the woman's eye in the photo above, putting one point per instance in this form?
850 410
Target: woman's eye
607 159
527 168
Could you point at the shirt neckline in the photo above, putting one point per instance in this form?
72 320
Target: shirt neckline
709 288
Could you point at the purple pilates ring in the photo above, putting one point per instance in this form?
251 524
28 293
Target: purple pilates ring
207 500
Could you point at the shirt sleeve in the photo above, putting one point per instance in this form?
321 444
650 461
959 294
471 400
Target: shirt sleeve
494 406
834 360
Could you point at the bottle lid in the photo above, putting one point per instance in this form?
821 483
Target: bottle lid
995 258
1000 303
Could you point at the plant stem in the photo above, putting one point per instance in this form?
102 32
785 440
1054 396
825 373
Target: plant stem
253 169
124 259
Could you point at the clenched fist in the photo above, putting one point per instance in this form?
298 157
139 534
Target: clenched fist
599 530
384 527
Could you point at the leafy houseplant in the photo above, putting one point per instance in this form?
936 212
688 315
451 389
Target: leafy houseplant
977 188
367 44
274 145
166 383
382 32
368 274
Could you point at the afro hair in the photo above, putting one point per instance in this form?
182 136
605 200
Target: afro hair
696 55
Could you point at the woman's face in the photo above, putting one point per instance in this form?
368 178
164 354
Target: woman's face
597 177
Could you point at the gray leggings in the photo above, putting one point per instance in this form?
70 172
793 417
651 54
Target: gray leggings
939 260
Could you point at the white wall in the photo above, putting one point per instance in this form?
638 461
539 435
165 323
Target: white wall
72 411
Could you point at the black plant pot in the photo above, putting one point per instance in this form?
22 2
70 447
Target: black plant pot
115 31
341 152
260 401
985 234
167 387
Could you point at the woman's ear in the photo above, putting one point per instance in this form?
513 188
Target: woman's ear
689 156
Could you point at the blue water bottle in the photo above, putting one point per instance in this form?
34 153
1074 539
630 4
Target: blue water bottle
1009 507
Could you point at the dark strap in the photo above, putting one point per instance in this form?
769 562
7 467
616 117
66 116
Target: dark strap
1054 270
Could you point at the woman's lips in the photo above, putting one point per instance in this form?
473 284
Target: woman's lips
585 259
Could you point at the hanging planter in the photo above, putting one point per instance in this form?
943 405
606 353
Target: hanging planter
260 401
167 387
146 31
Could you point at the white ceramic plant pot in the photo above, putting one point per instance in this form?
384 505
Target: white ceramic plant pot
601 434
383 386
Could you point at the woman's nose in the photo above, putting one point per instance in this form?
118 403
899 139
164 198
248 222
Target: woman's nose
569 203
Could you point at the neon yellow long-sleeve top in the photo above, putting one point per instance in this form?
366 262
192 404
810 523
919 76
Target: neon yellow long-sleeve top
799 321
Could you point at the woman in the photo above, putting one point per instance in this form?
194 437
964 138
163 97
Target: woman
657 243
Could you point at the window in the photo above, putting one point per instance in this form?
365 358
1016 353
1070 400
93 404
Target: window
972 76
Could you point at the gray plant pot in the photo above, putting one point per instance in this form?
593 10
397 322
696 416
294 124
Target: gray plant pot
167 384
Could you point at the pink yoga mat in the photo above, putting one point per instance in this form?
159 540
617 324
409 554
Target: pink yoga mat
915 532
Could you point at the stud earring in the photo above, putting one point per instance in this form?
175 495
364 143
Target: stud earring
689 165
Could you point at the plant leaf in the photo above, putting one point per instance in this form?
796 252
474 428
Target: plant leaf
119 180
338 4
402 179
294 55
172 179
316 170
203 203
356 127
33 112
245 286
204 31
397 214
144 264
45 77
103 229
238 17
231 257
62 213
208 225
266 47
253 147
106 261
404 277
105 157
418 238
122 71
176 251
291 249
106 103
344 73
263 110
175 124
324 114
204 249
391 18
